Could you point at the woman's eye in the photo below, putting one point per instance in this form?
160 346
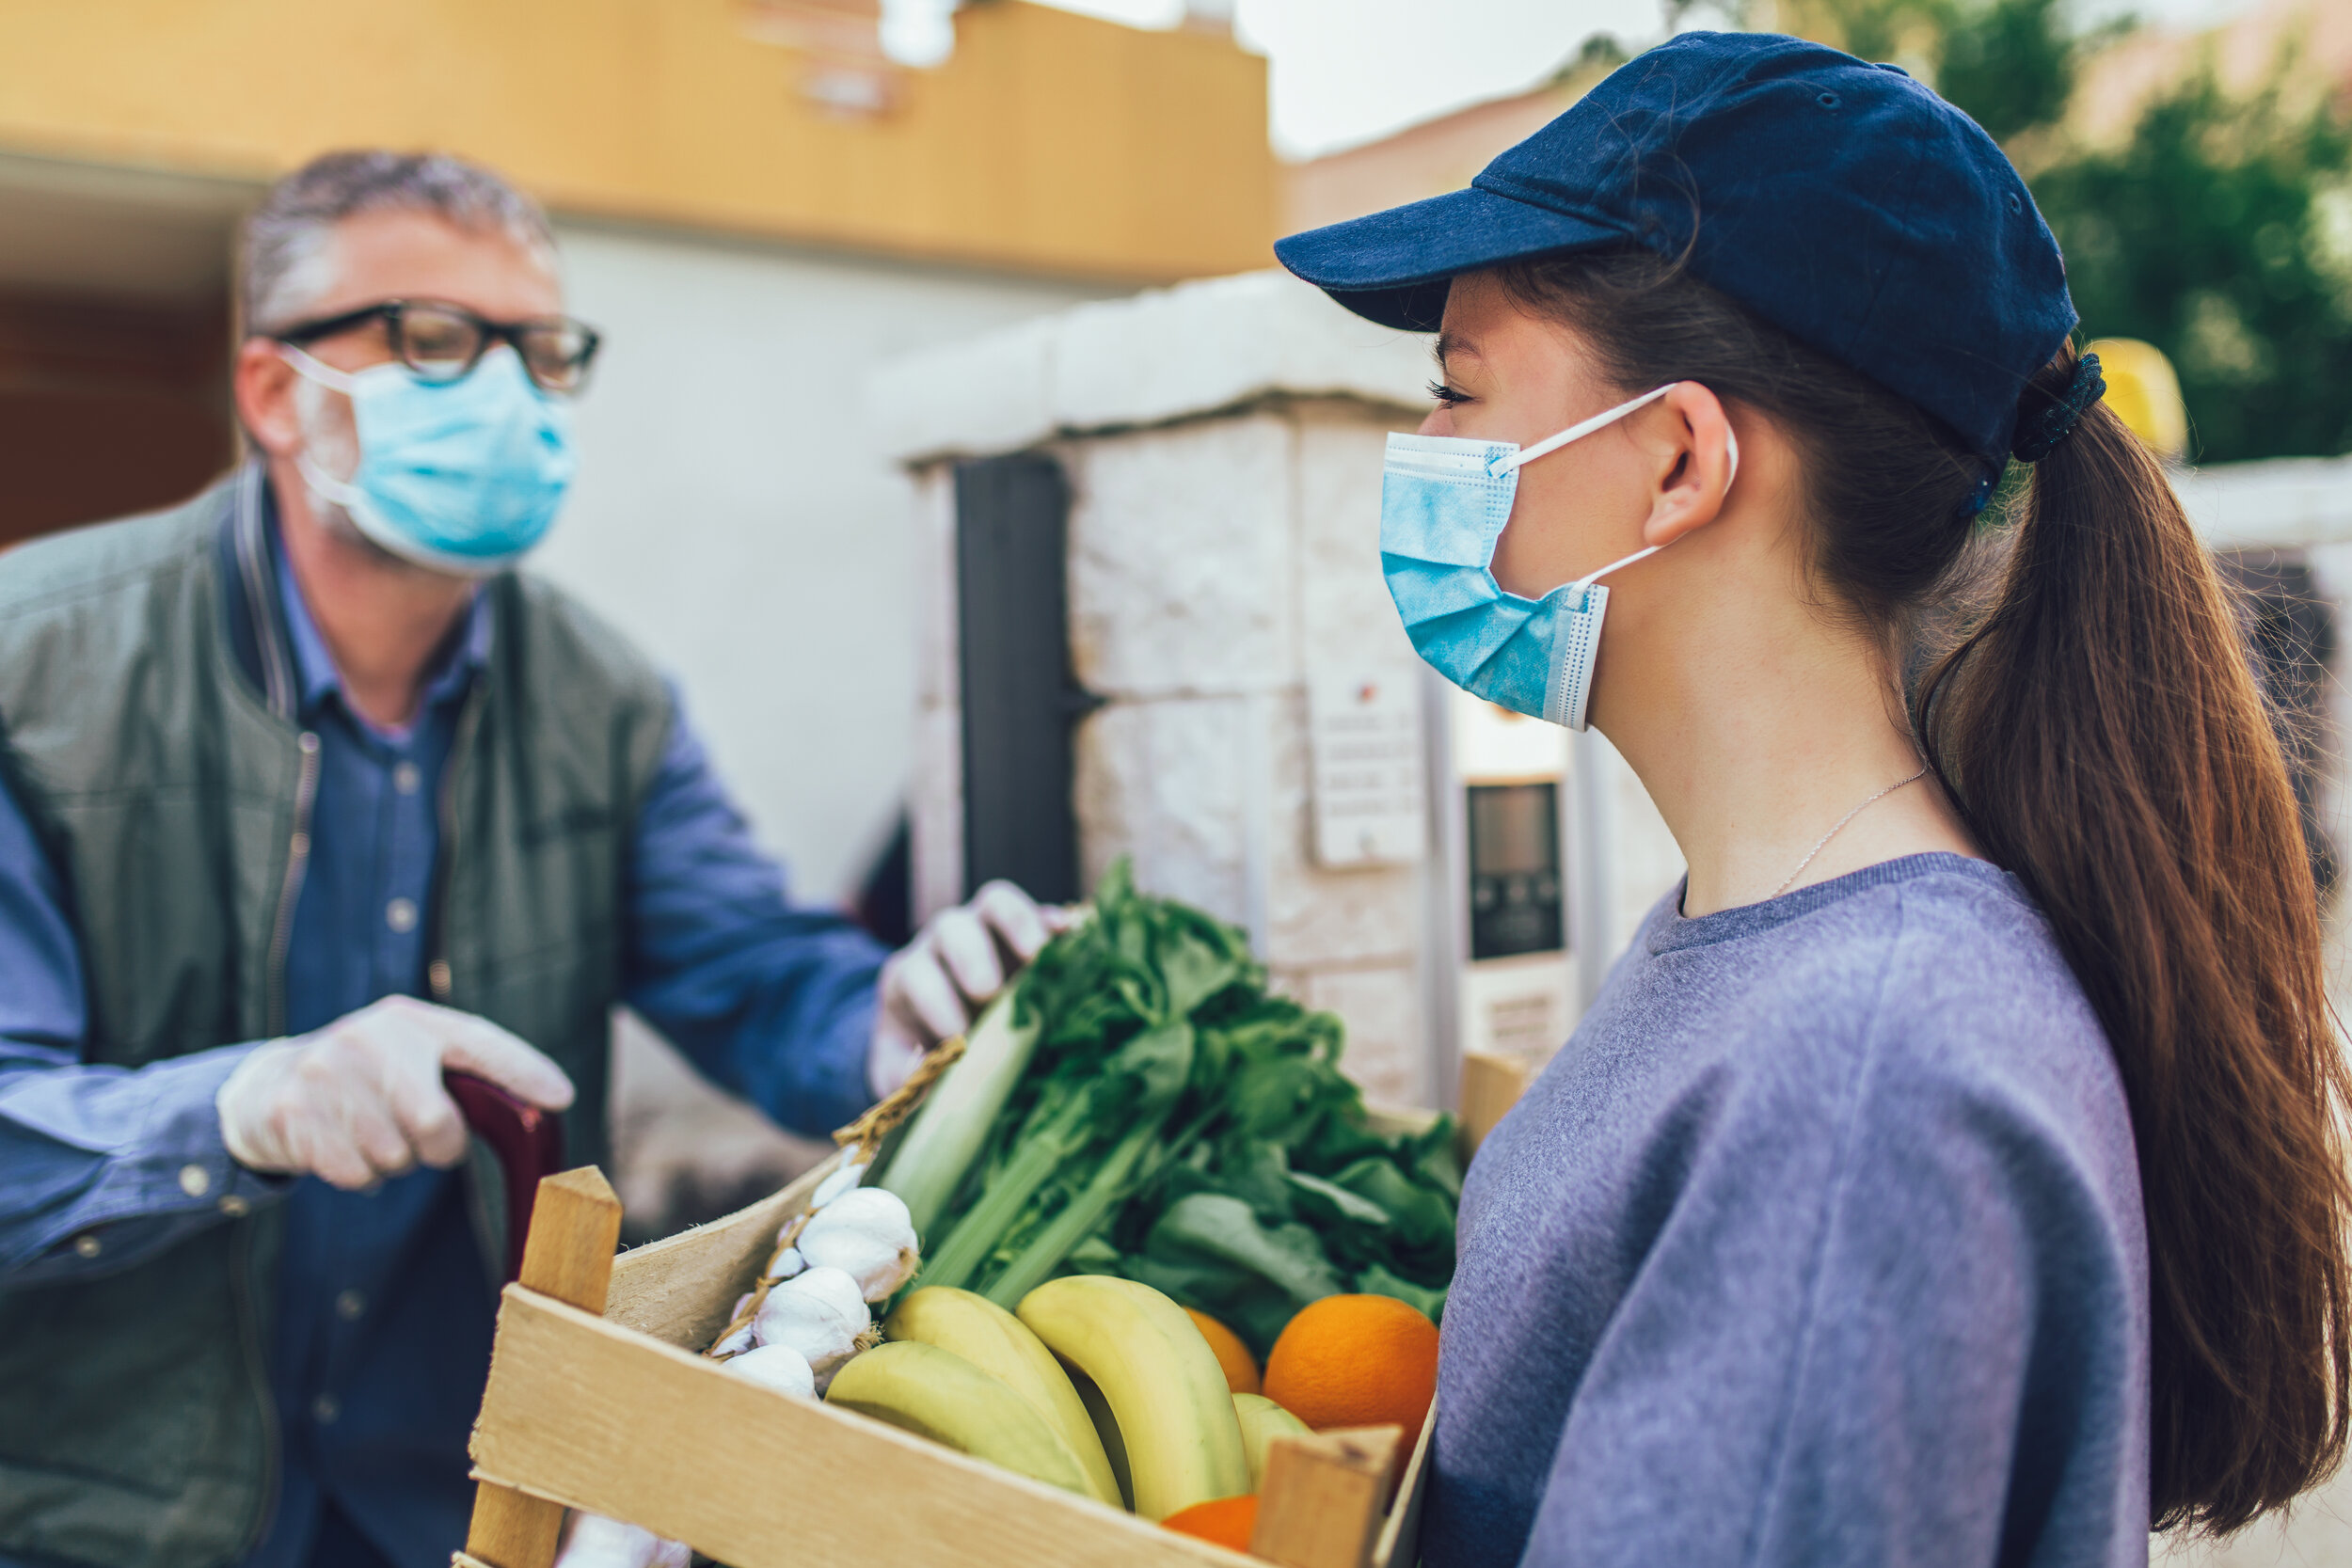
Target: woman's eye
1440 392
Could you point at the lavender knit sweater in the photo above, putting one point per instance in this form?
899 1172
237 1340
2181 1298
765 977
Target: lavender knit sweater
1820 1243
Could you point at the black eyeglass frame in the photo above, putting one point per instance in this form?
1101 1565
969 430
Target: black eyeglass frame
489 334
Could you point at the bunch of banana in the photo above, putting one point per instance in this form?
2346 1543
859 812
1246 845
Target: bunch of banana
1165 1393
937 1394
994 1340
1262 1423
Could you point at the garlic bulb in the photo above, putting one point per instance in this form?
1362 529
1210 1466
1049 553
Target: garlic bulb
593 1541
777 1367
786 1263
818 1315
843 1180
867 1233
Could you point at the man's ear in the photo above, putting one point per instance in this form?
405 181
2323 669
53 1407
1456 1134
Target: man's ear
264 386
1698 457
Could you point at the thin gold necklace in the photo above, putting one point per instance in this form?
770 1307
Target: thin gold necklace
1842 828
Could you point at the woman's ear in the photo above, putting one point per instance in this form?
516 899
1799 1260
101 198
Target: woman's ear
1697 456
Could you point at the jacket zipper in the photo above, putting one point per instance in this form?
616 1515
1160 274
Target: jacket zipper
249 1325
297 862
437 973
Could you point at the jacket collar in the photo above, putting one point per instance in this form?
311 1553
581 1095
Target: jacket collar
256 627
270 645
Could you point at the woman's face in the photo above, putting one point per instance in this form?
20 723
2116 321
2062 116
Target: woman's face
1508 375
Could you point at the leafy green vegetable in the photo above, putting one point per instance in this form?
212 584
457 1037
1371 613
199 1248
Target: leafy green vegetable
1176 1124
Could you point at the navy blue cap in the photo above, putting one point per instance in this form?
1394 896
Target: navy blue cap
1841 202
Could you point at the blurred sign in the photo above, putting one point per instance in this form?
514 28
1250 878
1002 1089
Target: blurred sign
1364 729
855 50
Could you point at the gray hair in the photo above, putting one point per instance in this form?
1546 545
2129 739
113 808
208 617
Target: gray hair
284 266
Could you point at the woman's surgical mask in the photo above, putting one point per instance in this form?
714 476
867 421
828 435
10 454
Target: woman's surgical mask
1444 501
463 476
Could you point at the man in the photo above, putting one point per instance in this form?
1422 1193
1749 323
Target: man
305 798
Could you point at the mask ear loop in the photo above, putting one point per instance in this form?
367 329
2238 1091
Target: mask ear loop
340 492
1731 445
1553 443
312 369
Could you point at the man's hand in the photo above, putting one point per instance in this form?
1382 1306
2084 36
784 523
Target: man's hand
934 986
361 1098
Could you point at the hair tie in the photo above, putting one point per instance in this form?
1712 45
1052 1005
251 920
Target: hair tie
1987 481
2036 435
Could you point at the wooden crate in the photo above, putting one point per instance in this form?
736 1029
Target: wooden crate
615 1413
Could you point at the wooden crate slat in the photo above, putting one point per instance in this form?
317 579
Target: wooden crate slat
1321 1506
1399 1545
575 1224
595 1415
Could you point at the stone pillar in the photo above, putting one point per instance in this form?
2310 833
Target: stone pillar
1223 445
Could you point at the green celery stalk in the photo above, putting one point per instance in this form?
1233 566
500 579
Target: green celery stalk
1117 1179
1077 1220
948 1131
1035 1160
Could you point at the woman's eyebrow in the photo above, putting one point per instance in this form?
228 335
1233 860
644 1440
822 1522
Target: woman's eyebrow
1449 344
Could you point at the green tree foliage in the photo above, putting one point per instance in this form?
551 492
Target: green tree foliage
2216 233
2010 64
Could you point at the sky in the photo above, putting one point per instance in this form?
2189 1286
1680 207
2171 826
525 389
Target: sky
1346 72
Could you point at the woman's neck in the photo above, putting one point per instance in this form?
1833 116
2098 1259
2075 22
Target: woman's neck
1757 725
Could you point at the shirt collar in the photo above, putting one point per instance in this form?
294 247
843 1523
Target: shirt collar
314 666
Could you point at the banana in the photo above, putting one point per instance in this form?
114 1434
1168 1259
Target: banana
937 1394
1106 1428
1261 1421
1162 1380
996 1341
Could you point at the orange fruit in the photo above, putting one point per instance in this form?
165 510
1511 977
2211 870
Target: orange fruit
1227 1521
1241 1368
1355 1361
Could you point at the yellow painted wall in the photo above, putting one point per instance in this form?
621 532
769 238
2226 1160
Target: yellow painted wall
1049 143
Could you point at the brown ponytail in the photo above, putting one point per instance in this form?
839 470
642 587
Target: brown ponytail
2098 725
2105 737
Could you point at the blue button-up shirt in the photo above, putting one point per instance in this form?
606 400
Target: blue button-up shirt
383 1327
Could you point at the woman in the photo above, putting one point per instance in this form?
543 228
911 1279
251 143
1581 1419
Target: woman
1948 1174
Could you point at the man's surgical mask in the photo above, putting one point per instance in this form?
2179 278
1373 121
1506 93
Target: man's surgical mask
1444 501
463 476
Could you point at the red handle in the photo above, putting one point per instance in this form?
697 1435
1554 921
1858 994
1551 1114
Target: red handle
526 1140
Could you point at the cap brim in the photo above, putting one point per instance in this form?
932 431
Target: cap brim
1394 268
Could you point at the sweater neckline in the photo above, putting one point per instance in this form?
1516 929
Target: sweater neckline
1673 930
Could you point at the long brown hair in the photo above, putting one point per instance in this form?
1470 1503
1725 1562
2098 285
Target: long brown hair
2095 718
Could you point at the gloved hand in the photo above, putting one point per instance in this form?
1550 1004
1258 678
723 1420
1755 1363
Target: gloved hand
361 1098
934 986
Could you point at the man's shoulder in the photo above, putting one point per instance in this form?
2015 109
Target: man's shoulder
128 554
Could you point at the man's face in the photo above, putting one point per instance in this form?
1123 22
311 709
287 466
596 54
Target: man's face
371 259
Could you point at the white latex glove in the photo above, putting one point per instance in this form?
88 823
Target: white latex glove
361 1098
934 986
593 1541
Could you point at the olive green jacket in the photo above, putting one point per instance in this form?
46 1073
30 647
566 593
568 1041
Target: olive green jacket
147 703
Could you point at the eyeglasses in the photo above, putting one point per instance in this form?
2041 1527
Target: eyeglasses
442 342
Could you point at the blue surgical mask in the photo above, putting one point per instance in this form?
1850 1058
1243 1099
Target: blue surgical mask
1444 503
463 476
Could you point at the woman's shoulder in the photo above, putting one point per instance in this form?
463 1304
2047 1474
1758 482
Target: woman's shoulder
1934 977
1972 1016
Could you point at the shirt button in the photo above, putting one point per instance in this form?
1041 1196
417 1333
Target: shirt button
406 778
233 1206
325 1409
87 1245
195 1181
349 1305
400 914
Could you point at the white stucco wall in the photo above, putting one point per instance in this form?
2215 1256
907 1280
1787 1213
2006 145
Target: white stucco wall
735 514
